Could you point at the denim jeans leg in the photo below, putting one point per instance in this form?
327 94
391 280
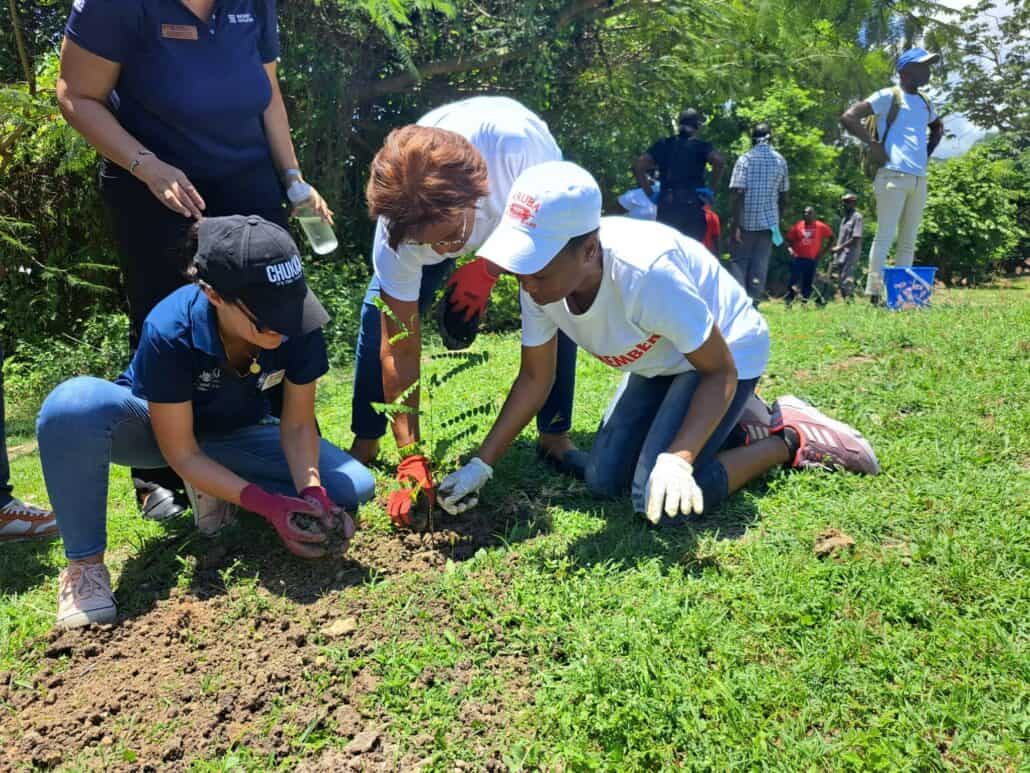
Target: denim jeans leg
622 432
255 453
366 422
85 424
556 415
667 423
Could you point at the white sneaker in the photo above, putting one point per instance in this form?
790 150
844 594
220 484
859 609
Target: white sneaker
19 521
85 596
210 513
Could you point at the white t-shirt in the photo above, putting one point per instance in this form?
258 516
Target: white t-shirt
660 294
511 138
906 141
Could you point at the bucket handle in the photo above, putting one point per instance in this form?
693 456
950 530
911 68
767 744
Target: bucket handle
915 277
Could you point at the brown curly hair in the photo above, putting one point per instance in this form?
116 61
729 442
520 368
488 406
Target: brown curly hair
423 175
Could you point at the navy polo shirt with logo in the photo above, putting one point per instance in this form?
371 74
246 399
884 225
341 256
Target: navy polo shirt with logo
180 358
193 92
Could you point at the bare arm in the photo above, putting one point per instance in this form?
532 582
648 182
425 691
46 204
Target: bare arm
280 143
718 164
851 120
715 391
936 135
527 396
173 429
400 351
277 127
298 434
736 213
83 87
643 165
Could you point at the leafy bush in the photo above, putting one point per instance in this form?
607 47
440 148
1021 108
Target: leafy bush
99 346
971 219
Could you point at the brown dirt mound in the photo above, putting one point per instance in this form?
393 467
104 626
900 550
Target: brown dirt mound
208 669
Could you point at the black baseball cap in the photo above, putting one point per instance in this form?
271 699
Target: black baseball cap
246 258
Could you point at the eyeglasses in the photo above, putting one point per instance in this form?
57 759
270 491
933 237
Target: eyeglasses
443 244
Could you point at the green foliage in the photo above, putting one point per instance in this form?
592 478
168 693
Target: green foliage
97 346
970 223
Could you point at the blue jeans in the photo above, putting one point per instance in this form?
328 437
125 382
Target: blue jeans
5 469
88 423
645 417
367 423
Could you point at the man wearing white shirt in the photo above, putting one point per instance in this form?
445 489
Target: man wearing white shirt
437 190
657 305
903 147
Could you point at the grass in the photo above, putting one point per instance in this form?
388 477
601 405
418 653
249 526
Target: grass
606 645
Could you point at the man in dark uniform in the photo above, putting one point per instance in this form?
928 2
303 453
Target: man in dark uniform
681 162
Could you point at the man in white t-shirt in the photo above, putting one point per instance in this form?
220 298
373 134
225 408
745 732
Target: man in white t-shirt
657 305
904 147
437 190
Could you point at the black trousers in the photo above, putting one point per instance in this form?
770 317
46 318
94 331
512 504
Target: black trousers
152 243
684 211
802 272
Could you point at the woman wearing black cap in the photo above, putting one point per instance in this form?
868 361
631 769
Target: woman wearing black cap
195 398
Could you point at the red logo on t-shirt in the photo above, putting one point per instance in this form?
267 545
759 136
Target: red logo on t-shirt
523 208
634 354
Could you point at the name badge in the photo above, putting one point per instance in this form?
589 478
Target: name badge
179 31
269 380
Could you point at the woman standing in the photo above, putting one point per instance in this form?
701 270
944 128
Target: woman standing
195 398
181 99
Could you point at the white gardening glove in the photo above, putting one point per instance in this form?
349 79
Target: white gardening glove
459 491
671 489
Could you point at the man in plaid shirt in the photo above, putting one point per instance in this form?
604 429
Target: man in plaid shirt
758 191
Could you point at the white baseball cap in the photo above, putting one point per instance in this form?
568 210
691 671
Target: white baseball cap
549 204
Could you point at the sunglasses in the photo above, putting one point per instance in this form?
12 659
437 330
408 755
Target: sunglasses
259 326
443 244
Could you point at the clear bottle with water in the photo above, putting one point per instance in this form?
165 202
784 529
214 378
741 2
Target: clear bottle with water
319 233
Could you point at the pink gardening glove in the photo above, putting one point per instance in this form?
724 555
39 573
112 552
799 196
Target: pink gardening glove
278 510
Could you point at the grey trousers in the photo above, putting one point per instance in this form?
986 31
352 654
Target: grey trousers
749 261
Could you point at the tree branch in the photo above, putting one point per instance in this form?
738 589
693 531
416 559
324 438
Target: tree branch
23 51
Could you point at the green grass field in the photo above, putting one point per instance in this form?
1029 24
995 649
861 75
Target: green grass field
580 639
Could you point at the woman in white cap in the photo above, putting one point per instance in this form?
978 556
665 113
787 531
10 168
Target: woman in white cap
195 397
646 300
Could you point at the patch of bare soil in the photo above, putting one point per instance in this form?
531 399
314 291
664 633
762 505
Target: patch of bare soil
854 361
208 669
833 543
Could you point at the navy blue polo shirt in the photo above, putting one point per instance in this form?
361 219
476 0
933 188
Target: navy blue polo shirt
180 358
192 92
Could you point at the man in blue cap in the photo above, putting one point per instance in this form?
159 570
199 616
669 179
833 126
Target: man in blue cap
908 130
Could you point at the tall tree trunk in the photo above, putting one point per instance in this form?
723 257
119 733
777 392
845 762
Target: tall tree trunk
23 50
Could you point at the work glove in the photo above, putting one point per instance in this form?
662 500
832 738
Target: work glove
280 511
706 194
412 470
459 491
671 489
468 289
332 514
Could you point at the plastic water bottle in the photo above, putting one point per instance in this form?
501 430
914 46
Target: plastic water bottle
319 233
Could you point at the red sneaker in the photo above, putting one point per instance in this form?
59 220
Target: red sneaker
825 442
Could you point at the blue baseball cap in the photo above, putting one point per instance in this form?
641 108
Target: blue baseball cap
916 56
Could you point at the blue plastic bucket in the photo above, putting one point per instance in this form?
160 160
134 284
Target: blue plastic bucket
908 287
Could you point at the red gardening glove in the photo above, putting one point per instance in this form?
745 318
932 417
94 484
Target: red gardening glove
278 510
472 284
332 513
401 503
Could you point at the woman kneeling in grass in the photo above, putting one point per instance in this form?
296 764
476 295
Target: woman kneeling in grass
194 398
644 299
